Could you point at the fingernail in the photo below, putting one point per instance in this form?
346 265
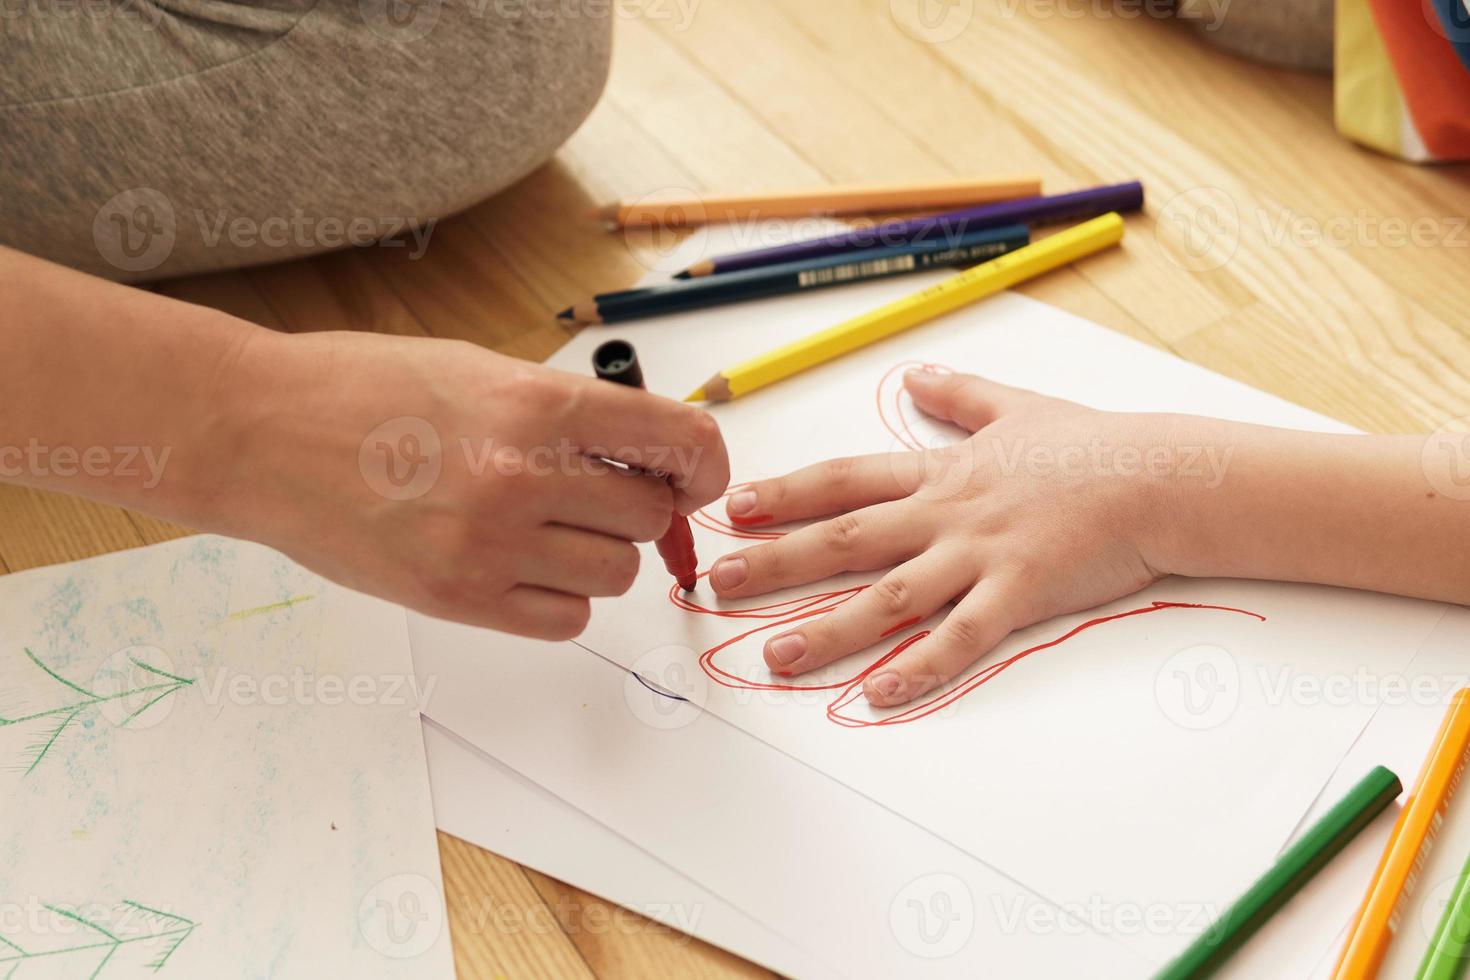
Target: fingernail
888 684
741 503
730 572
787 650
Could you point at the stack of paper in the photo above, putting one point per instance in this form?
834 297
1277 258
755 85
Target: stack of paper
1096 804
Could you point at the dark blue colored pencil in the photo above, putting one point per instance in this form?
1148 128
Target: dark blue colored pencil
938 251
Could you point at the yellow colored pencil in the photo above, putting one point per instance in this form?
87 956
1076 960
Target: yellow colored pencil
939 195
973 284
1385 904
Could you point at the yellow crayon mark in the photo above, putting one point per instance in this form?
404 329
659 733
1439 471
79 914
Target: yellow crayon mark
273 607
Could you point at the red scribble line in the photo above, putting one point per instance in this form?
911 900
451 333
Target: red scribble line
898 424
795 610
911 621
720 525
785 612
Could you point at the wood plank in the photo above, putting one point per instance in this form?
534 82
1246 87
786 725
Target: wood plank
500 924
619 943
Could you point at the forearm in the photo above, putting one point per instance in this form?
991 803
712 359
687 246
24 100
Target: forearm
1357 511
111 392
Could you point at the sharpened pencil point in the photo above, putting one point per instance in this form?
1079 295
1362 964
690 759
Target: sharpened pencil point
683 275
567 314
697 395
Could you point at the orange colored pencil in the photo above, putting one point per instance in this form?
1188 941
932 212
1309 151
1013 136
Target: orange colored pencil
695 209
1385 904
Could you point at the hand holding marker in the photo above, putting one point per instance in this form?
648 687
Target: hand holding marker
616 361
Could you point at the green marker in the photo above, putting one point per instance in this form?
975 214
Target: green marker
1296 866
1449 950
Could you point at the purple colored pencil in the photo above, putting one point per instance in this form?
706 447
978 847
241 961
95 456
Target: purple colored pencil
1047 209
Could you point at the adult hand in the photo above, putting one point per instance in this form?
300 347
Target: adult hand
465 484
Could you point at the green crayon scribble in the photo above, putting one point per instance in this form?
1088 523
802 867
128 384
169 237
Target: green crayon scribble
178 929
67 713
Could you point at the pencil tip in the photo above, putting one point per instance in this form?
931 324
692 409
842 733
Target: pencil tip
683 275
567 314
697 395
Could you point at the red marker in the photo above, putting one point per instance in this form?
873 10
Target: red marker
616 361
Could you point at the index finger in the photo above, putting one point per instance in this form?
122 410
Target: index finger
831 487
652 433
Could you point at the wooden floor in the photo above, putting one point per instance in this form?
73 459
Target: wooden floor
1363 326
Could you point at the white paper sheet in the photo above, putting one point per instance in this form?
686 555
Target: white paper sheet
1149 761
479 799
1303 939
863 891
212 767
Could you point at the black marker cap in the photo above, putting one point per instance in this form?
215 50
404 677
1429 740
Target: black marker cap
617 361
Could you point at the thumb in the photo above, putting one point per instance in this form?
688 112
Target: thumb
963 398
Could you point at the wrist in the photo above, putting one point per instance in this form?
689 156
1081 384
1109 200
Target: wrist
1192 458
239 387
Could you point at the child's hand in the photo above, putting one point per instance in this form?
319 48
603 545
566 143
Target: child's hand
1047 509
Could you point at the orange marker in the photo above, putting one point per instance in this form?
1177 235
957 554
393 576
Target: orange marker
1384 906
